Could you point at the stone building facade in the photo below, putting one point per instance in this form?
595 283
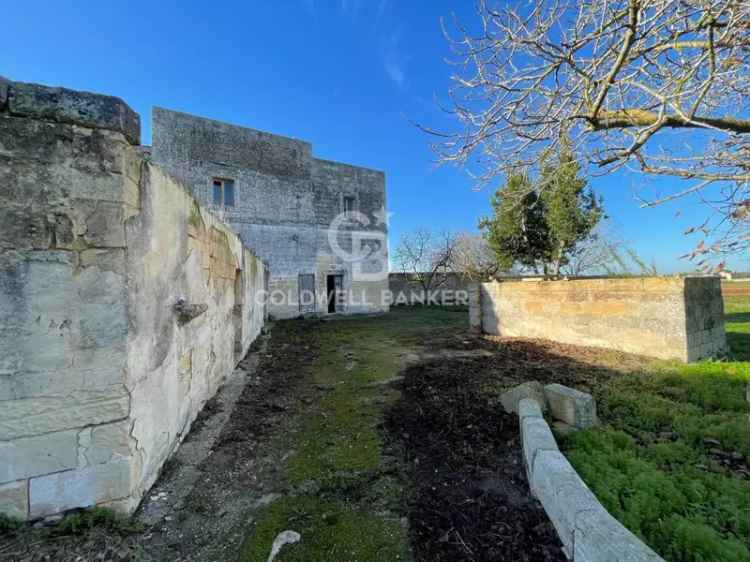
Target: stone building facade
319 225
124 304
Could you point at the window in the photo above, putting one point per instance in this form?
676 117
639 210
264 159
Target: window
348 204
223 192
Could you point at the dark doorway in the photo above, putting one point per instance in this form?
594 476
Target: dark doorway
306 293
334 285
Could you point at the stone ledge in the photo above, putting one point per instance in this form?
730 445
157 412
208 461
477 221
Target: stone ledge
588 532
86 109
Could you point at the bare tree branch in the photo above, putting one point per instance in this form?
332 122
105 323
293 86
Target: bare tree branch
658 86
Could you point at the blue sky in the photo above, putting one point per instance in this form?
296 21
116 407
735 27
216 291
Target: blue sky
348 76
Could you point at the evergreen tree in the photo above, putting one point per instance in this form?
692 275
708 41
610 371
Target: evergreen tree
538 226
517 232
570 210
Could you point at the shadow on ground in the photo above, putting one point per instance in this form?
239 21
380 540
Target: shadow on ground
471 499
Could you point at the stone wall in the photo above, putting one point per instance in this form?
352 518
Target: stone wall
286 206
666 317
100 376
405 289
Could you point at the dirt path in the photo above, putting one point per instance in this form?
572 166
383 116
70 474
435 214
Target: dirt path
297 441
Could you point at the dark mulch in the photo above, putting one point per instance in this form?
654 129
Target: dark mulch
217 512
471 499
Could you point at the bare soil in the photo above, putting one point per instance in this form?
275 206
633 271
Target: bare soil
457 452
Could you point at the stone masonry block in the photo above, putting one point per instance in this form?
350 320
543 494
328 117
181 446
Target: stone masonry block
58 492
571 406
536 437
529 407
36 416
86 109
4 83
562 493
14 499
105 443
34 456
512 397
599 537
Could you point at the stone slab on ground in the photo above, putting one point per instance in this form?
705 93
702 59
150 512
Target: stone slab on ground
531 389
529 407
599 537
561 491
571 406
535 438
588 532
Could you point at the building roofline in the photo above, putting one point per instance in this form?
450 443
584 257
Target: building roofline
293 139
226 123
358 167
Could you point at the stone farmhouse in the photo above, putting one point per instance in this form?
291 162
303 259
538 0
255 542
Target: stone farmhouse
319 225
133 279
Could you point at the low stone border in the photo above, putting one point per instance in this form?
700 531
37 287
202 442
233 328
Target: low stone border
588 532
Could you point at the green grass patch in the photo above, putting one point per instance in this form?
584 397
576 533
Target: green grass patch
329 530
737 310
660 462
346 497
97 517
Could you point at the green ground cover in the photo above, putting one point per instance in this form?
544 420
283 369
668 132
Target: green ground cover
671 458
345 493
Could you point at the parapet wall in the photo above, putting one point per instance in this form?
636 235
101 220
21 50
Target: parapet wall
666 317
101 375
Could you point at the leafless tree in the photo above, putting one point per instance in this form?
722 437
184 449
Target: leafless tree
425 257
598 255
473 258
660 86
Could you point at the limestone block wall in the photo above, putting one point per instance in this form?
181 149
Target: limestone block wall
100 379
453 289
285 203
666 317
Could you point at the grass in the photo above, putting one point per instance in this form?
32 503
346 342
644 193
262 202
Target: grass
346 494
737 310
668 460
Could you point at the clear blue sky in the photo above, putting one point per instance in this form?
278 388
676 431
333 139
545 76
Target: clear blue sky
346 75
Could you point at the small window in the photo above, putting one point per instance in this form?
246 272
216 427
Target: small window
348 205
223 192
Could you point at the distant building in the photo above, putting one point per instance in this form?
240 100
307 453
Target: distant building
319 225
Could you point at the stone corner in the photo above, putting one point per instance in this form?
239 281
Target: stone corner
86 109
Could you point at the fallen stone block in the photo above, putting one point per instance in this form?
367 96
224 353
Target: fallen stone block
571 406
535 437
512 397
562 493
599 537
561 428
529 408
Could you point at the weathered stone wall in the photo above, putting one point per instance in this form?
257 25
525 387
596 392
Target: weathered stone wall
405 289
285 204
666 317
99 377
